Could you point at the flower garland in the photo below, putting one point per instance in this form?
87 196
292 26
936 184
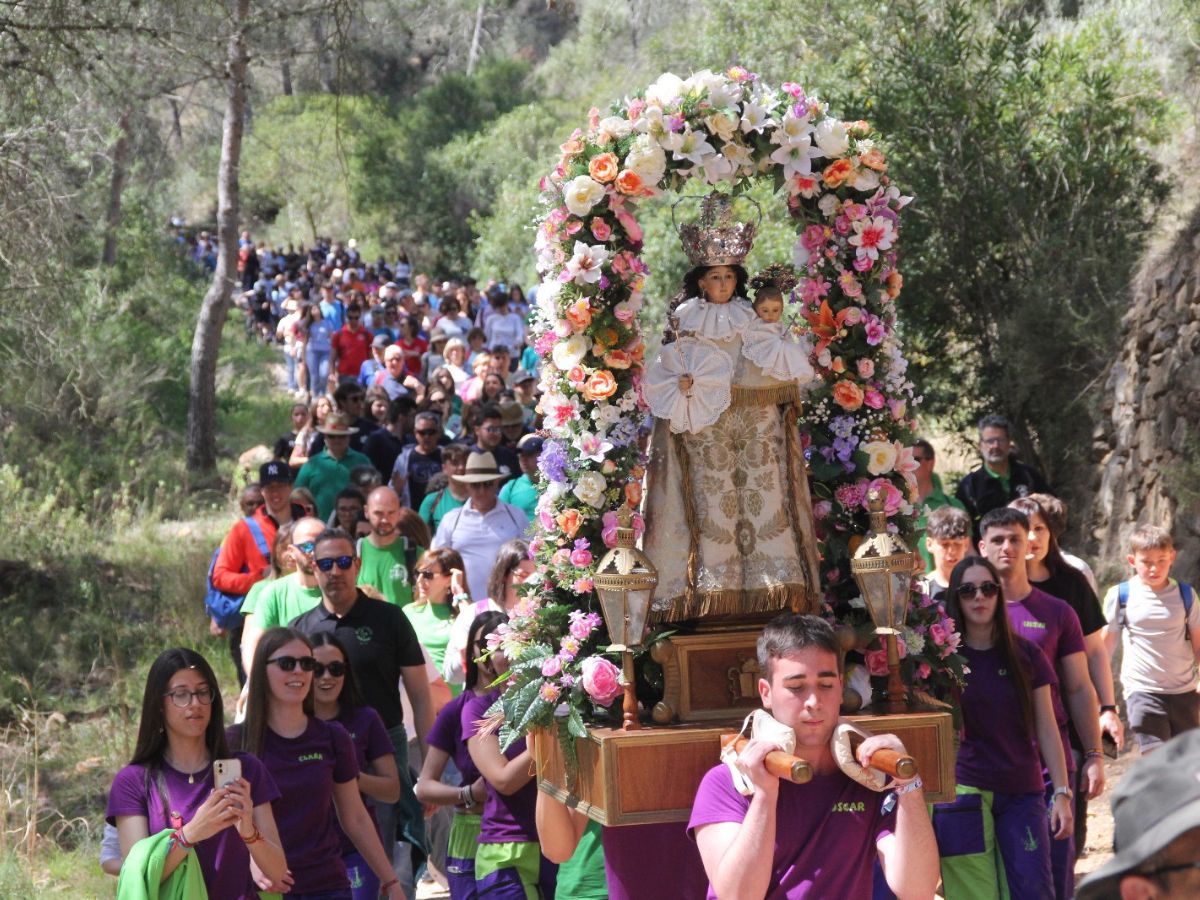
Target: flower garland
720 129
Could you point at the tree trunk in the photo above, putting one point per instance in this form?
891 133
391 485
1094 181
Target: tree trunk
324 62
176 121
285 72
473 55
206 343
120 173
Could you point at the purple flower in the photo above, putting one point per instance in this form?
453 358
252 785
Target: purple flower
553 461
582 543
876 331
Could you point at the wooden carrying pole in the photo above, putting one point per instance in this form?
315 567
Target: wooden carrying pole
778 763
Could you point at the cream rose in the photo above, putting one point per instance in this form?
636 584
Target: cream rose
590 489
831 137
570 353
881 456
581 194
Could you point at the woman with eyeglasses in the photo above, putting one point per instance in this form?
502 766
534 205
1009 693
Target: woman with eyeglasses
315 766
446 745
169 784
993 839
511 568
336 698
440 578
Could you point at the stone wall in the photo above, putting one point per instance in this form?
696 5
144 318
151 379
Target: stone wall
1147 444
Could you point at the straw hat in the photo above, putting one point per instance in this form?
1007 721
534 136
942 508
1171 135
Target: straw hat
480 467
337 426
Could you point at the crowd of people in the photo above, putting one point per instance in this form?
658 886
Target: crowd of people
385 541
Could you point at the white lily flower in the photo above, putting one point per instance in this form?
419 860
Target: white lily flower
690 146
793 130
667 89
796 157
592 446
584 265
755 118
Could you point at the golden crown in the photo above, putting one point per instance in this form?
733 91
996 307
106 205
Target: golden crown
716 239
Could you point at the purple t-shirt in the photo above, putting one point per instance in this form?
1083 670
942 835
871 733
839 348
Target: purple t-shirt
505 818
1054 627
447 735
632 851
996 753
825 834
224 859
305 768
371 741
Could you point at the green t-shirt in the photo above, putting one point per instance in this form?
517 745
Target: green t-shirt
286 599
256 590
432 514
432 623
523 493
326 477
387 569
582 876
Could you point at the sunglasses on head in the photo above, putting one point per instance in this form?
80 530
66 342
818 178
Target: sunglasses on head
336 669
326 565
967 590
289 663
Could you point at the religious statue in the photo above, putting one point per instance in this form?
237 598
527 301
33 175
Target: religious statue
728 515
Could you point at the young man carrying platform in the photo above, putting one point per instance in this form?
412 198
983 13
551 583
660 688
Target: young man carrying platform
819 839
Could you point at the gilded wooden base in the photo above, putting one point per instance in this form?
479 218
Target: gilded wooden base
651 775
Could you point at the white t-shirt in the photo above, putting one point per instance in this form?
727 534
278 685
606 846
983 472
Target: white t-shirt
1157 650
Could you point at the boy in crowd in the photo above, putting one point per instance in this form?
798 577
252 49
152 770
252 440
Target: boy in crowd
948 538
819 839
1160 625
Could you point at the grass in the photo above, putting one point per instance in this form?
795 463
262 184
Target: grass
90 599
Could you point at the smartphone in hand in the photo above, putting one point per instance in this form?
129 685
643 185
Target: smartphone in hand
226 771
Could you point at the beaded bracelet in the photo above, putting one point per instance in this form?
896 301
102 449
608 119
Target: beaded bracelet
254 838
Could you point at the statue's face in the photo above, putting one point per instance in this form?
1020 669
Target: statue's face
718 284
770 310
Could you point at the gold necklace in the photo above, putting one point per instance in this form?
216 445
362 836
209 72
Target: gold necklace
191 775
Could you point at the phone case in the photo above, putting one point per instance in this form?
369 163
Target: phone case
226 771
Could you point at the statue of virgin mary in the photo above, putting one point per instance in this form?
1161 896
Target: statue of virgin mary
729 520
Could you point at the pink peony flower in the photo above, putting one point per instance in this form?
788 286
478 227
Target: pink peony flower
601 680
873 398
581 559
551 666
862 264
892 496
876 662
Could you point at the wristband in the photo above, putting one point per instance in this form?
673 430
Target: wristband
1063 792
463 597
1107 708
254 838
178 839
914 785
1093 754
384 888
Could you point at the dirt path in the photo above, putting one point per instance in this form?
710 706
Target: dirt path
1100 823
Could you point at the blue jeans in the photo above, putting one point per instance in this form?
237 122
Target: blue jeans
318 371
291 371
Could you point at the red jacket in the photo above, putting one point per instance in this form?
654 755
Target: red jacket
238 550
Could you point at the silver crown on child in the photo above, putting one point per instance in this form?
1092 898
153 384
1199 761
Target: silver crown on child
716 239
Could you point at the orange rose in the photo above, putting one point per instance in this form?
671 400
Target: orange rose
569 521
895 282
600 386
576 376
847 395
579 314
637 352
837 172
603 168
617 359
838 365
874 159
859 128
633 493
571 147
629 182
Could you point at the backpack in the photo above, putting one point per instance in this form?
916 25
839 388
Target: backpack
1185 591
226 609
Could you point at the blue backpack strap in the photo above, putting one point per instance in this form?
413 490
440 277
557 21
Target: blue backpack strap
260 539
1122 599
1185 591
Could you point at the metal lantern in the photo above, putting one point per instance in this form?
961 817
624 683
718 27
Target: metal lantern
883 566
625 581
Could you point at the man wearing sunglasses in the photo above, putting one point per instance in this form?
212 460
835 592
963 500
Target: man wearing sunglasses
285 598
384 653
1054 626
418 463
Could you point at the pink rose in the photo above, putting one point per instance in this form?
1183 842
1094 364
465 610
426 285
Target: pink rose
552 666
924 670
876 662
581 559
938 633
873 398
601 230
633 230
601 680
866 368
821 509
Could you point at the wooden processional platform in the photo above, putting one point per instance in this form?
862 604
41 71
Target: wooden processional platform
651 775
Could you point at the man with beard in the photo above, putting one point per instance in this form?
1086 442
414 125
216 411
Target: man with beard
1001 479
387 558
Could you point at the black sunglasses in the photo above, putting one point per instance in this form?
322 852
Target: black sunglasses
426 432
326 565
967 590
336 669
427 574
289 663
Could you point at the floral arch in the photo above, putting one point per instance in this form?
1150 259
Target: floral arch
719 130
